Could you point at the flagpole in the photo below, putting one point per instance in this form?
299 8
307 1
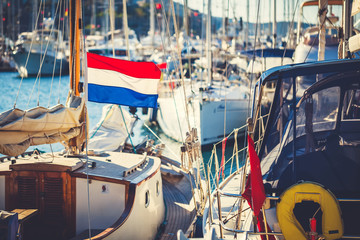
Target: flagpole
265 223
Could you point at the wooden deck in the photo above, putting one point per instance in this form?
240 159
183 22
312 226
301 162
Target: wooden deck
180 210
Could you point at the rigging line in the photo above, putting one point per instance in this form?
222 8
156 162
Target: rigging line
61 59
112 27
174 61
122 114
41 49
27 58
312 44
253 58
290 30
56 49
181 67
177 158
82 49
39 72
107 113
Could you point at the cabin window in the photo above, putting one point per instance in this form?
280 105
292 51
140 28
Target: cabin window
157 188
147 198
320 109
351 105
120 53
325 109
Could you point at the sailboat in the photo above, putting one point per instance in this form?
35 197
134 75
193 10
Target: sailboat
307 40
41 51
77 193
214 107
305 156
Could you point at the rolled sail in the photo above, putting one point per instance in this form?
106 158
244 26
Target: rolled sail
20 129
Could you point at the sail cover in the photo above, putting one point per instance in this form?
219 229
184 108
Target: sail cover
112 130
20 129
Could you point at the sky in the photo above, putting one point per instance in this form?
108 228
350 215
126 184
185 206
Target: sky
284 12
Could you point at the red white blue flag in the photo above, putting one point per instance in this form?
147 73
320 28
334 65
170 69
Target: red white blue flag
122 82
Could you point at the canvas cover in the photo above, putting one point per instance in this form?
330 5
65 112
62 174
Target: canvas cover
110 133
20 129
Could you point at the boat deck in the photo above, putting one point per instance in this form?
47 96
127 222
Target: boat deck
180 210
115 165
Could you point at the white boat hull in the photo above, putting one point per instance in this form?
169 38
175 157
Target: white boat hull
214 118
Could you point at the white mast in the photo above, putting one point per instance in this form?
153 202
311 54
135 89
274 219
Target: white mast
93 18
152 22
208 43
274 25
247 24
186 18
126 29
323 4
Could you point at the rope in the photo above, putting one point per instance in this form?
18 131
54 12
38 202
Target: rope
175 63
177 158
290 31
57 46
253 58
39 72
63 29
122 114
312 44
181 67
101 122
27 58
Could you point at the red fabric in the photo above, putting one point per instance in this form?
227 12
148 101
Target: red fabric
254 189
162 65
129 68
222 165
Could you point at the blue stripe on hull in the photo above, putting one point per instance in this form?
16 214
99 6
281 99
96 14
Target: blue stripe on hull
121 96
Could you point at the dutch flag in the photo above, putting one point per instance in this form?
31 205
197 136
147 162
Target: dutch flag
122 82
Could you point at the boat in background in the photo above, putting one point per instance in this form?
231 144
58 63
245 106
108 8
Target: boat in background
298 179
77 193
41 52
308 39
211 103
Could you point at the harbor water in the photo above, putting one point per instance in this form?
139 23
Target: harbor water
31 92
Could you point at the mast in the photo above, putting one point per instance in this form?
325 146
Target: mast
347 26
152 22
185 23
299 24
126 30
93 17
274 26
75 25
208 43
2 26
247 24
323 4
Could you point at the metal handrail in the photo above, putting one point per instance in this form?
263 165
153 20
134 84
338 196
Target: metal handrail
220 192
277 198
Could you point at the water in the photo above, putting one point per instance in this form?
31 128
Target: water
48 92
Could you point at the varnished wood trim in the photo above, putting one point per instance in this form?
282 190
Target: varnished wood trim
41 167
6 173
150 176
100 178
124 216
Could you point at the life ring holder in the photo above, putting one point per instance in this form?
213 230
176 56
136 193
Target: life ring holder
332 225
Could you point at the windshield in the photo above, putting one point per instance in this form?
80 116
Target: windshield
351 105
318 112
